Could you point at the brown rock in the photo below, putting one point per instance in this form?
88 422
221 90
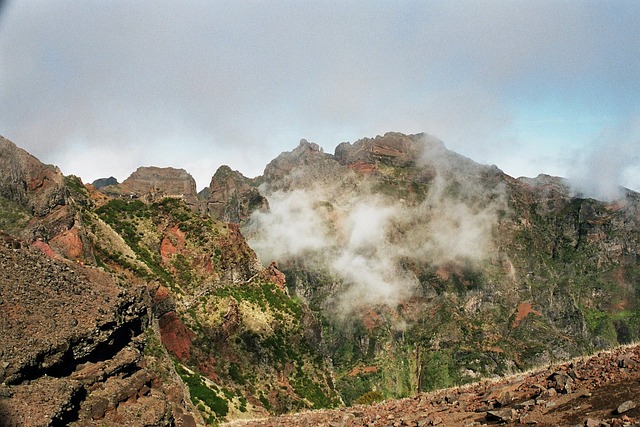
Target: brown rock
155 183
176 337
233 197
591 422
503 415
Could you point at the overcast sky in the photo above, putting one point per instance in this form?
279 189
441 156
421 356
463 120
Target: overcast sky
102 87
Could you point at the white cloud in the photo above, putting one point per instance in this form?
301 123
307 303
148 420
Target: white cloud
241 82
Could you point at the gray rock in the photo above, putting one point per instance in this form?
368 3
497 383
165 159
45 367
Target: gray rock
626 406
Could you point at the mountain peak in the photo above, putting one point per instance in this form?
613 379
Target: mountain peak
156 182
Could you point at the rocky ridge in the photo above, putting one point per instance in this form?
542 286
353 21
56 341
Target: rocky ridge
214 328
232 197
542 274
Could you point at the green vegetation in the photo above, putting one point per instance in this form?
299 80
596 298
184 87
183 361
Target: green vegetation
13 217
370 398
75 185
153 346
210 402
463 323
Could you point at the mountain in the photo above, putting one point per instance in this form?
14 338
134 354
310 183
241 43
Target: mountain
430 270
232 197
170 319
391 267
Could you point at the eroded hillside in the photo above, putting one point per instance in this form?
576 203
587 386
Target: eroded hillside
391 267
209 318
431 270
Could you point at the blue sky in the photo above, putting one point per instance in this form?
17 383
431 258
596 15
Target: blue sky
100 88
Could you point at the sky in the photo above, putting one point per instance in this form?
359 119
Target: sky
99 88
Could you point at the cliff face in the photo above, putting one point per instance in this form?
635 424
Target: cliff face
155 183
134 310
27 182
232 197
73 349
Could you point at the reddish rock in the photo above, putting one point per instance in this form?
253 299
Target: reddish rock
162 301
274 275
68 243
176 337
232 196
46 249
172 243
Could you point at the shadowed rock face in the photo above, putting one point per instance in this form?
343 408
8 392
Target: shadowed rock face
156 183
232 196
72 346
103 182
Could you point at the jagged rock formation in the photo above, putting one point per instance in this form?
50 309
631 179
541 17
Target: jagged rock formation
232 197
394 266
393 147
320 169
73 347
38 203
27 182
238 341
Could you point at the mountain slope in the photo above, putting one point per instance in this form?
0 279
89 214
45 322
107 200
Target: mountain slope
390 267
214 329
429 269
595 391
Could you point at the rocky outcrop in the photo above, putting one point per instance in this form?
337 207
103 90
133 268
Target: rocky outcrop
232 197
72 347
392 147
306 166
551 276
36 202
25 180
104 182
154 183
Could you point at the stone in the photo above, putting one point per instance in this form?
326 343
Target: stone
503 415
626 406
548 393
232 197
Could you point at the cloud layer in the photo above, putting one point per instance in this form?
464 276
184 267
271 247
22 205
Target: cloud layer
198 84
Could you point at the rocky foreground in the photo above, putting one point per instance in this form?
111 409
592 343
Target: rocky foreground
72 348
603 390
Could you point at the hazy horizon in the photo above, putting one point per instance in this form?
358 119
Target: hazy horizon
100 89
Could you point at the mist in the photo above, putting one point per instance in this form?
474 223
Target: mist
364 239
601 171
